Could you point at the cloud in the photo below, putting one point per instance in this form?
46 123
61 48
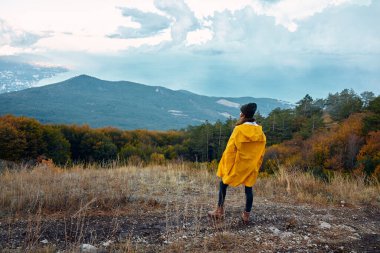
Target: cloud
230 48
249 54
183 18
175 15
289 13
14 38
199 37
150 24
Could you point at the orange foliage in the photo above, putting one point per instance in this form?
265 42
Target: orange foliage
369 155
335 148
372 146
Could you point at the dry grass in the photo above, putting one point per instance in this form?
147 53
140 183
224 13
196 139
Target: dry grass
290 184
173 193
77 190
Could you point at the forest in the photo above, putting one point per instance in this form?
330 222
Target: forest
338 133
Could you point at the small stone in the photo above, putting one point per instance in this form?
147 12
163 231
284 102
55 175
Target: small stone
274 230
286 234
44 241
257 239
306 237
88 248
324 225
184 237
107 243
345 227
355 236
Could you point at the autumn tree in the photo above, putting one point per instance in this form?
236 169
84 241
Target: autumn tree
369 155
12 142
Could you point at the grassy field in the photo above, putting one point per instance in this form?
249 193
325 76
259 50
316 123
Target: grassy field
163 208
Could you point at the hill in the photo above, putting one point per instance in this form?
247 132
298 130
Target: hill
127 105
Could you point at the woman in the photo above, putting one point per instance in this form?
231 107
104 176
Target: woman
241 160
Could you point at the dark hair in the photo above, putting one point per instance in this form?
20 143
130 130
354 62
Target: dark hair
243 120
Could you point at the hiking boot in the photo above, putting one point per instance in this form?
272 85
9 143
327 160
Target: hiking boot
245 217
217 214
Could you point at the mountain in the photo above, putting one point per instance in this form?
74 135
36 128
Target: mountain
16 76
127 105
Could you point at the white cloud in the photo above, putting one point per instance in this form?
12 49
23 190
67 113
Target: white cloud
204 9
183 18
86 17
289 12
189 20
199 37
15 37
149 24
7 50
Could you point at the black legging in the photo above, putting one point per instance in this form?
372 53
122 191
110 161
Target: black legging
248 196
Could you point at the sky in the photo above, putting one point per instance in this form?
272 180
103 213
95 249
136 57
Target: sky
281 49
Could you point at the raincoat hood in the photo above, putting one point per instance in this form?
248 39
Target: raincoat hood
250 133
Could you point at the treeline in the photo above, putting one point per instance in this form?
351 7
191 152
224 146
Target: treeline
25 139
310 114
308 133
350 143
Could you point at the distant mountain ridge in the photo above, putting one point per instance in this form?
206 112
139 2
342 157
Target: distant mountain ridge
127 105
16 76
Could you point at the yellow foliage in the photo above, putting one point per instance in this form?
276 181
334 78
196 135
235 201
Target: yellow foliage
157 158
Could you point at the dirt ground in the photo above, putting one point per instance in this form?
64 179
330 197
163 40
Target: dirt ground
152 226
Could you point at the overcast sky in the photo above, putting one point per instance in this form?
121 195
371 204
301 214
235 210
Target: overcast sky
262 48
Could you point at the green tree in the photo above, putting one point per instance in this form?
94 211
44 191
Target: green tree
56 146
280 125
367 97
309 115
372 121
97 147
128 151
74 134
342 105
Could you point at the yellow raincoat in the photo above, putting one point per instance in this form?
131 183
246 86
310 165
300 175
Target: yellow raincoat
243 156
